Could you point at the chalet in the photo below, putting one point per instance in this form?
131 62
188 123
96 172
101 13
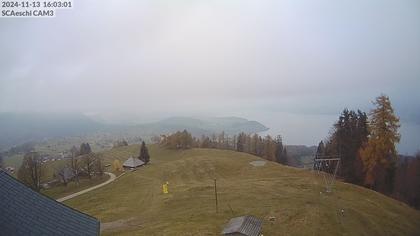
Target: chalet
26 212
243 226
132 163
66 174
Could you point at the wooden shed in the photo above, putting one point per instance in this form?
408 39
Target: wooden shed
133 163
243 226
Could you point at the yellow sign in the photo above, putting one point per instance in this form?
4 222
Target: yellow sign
165 188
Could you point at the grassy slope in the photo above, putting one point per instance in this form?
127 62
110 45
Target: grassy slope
84 183
291 195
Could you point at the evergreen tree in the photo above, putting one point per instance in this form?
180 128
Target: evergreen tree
407 181
144 153
362 132
205 142
88 149
349 136
380 155
186 140
85 149
286 157
344 143
413 180
255 144
240 146
320 151
280 151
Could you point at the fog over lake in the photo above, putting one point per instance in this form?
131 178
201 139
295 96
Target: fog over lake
295 128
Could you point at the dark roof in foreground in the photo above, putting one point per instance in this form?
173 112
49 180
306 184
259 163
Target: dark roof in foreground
26 212
244 225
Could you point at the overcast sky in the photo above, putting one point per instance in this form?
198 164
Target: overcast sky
214 58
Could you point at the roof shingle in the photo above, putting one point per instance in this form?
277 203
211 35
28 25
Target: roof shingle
244 225
26 212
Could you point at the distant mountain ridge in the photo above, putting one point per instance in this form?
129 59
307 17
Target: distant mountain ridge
19 128
230 125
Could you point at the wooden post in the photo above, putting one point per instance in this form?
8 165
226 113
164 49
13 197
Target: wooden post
215 194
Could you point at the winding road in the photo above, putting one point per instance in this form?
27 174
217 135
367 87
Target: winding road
112 178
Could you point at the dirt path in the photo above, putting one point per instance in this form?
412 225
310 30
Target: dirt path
113 177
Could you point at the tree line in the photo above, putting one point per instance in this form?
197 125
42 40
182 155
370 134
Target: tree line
83 162
366 145
269 148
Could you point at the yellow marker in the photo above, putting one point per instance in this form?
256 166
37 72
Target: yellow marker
165 188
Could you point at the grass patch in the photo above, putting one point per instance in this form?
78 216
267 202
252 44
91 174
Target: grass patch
289 194
72 187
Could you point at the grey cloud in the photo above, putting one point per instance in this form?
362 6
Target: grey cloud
218 57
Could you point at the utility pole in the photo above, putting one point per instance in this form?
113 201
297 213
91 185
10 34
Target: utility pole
215 194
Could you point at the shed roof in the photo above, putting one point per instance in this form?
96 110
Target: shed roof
245 225
133 162
66 173
26 212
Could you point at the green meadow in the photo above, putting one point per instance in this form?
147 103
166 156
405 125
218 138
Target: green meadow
290 201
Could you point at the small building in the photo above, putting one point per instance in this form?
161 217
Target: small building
243 226
66 174
10 170
133 163
26 212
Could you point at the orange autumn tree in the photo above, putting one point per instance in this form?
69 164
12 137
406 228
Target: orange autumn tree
116 166
379 156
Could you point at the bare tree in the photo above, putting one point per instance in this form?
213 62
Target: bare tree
98 165
89 161
74 162
31 171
